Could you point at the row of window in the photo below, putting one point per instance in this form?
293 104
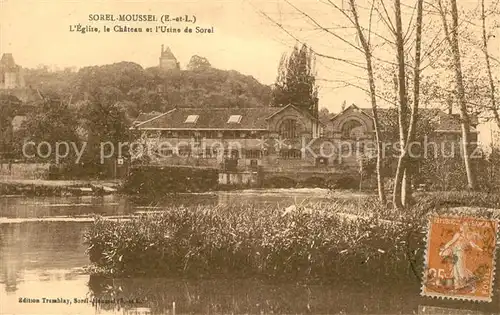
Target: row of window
213 153
209 134
286 154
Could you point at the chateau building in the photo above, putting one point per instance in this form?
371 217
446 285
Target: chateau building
168 60
11 76
272 139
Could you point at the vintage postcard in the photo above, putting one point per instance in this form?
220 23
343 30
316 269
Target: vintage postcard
460 258
249 156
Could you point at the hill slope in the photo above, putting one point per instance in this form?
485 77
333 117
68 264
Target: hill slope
152 89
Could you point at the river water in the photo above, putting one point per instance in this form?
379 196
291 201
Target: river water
42 255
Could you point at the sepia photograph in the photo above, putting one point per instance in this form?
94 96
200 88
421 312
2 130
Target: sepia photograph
249 157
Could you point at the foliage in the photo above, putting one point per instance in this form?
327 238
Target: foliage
52 83
151 89
295 83
157 181
197 63
51 121
104 119
8 106
444 171
123 76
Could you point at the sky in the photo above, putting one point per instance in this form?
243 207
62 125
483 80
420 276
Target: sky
38 32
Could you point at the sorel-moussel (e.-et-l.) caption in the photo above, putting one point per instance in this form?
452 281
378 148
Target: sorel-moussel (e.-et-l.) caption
141 23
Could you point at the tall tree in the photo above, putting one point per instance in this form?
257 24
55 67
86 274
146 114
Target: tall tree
403 104
487 58
451 34
372 37
367 49
296 83
402 180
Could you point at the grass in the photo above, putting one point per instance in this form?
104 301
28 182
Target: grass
307 243
311 241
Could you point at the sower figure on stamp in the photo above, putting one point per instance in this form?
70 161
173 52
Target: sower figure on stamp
456 249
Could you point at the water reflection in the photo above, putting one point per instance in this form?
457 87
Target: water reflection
116 205
42 246
45 259
254 296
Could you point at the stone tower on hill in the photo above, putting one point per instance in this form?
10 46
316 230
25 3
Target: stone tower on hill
11 76
168 60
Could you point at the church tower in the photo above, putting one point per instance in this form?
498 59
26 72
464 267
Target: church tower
11 76
168 60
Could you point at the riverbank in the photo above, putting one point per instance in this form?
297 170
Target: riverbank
40 187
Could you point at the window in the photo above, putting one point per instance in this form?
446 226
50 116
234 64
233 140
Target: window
352 129
360 147
232 154
197 136
210 153
166 152
253 154
290 154
184 151
288 129
234 119
191 119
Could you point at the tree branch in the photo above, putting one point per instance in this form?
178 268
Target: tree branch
323 28
352 63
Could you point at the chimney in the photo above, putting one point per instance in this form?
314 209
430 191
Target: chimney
162 48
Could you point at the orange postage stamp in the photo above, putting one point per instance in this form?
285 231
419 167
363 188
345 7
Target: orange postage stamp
460 258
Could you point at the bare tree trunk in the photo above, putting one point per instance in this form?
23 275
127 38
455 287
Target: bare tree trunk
403 107
494 108
452 39
464 115
371 81
407 189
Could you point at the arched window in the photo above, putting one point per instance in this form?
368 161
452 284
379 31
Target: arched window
352 129
289 129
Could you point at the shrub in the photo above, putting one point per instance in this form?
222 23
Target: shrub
152 180
346 182
319 241
310 243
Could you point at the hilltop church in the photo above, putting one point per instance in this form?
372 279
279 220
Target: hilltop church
168 60
11 75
